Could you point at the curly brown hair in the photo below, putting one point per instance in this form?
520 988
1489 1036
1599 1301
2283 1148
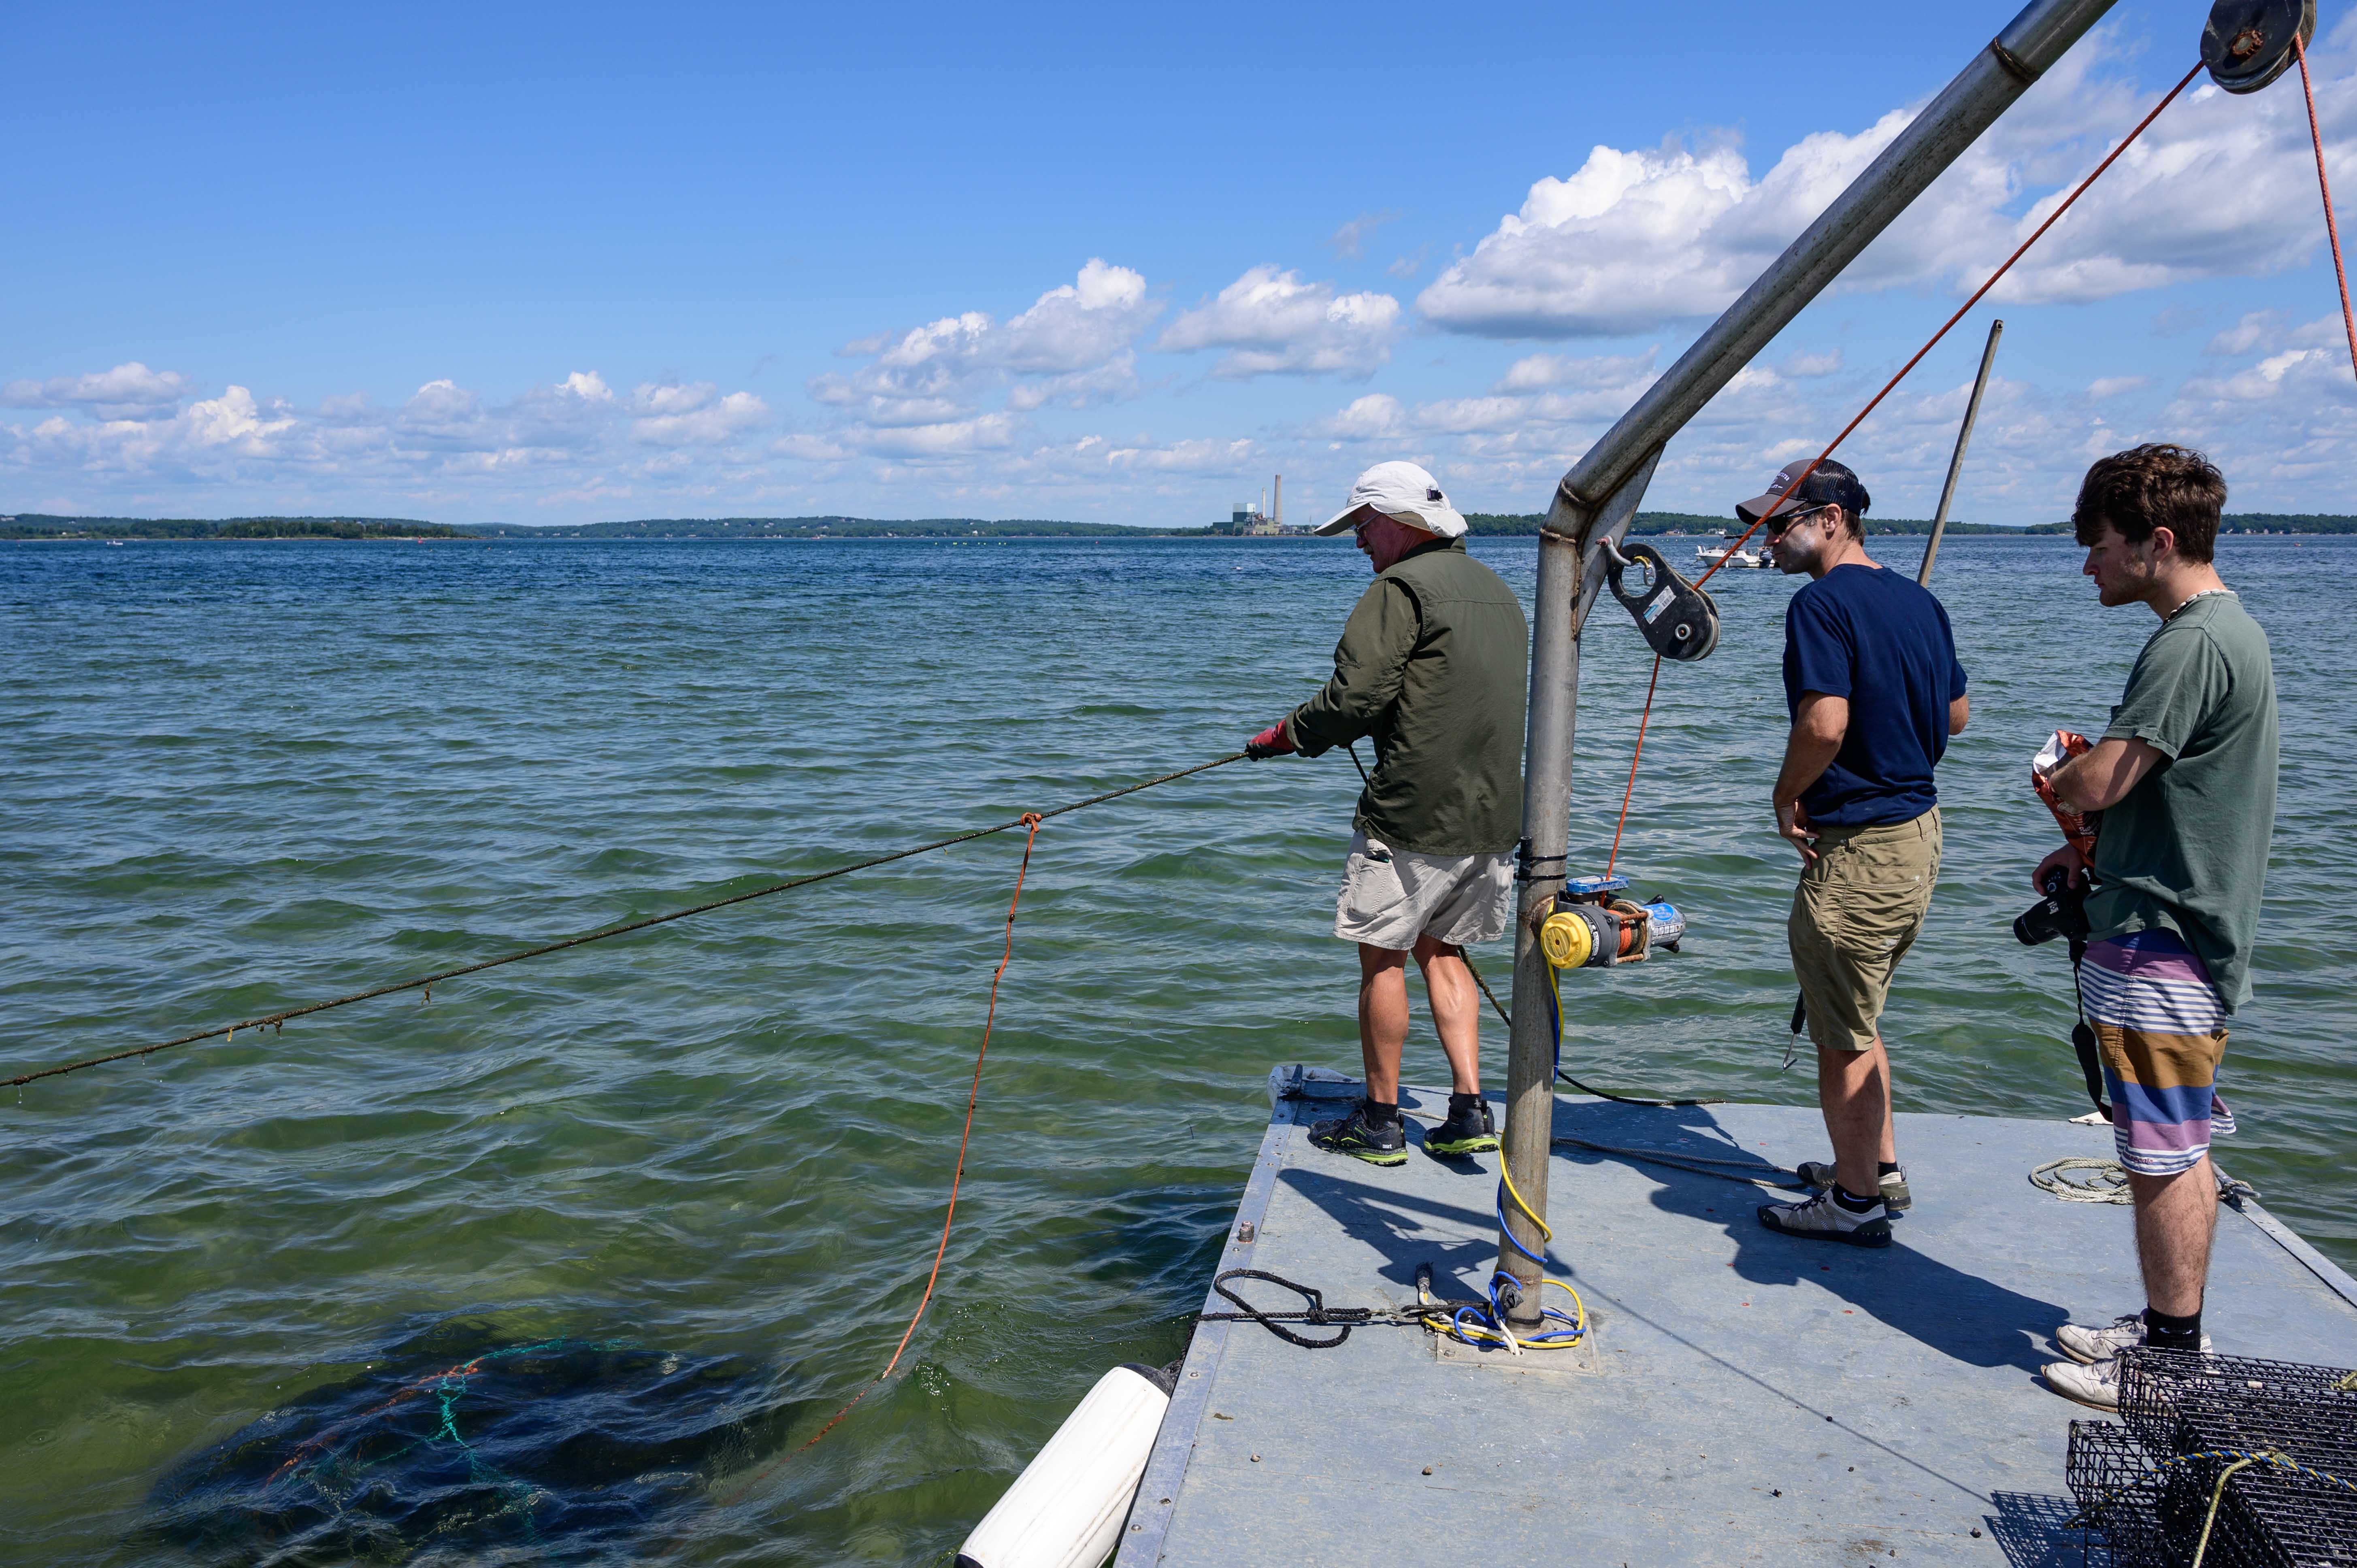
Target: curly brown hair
2150 486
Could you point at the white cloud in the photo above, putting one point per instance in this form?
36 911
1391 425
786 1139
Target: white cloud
2113 386
1371 418
2220 186
1276 324
1350 241
1611 372
1072 345
693 415
1080 325
130 390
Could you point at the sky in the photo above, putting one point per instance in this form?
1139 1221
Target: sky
562 264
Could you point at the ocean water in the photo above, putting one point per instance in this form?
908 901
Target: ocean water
244 775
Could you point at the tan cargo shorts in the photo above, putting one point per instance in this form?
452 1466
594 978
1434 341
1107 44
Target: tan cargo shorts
1391 897
1859 908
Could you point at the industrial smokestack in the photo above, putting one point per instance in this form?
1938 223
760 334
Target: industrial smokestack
1279 518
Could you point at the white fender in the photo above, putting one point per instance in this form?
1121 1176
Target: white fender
1065 1510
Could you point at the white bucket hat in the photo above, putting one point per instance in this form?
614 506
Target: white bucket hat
1404 491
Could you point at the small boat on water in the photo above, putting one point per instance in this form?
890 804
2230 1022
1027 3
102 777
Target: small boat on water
1731 555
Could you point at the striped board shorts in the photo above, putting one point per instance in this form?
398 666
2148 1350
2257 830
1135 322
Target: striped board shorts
2162 1030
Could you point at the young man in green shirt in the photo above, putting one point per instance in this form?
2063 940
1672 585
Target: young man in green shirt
2185 778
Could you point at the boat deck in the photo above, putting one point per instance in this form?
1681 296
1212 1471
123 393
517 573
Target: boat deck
1749 1398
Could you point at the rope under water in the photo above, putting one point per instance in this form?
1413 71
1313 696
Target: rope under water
965 1137
227 1032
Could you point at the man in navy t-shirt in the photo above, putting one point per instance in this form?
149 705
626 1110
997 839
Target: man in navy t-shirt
1874 690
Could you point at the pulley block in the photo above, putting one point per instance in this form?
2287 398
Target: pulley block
1678 620
2246 44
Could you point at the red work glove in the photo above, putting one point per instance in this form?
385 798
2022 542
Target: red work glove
1268 743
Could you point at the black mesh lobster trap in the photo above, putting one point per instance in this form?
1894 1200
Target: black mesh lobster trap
2283 1438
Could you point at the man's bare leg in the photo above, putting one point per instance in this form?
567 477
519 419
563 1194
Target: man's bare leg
1455 1011
2175 1218
1382 1019
1854 1092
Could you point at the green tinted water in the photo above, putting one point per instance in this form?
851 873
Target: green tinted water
246 775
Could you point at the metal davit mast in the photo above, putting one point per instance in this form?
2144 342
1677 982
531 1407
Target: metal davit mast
1598 500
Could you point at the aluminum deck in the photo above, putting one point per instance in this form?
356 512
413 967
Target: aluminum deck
1750 1398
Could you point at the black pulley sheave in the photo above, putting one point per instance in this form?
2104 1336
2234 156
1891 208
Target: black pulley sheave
1679 621
2248 43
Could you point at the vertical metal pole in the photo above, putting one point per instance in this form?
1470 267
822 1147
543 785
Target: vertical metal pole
1565 591
1956 463
1601 484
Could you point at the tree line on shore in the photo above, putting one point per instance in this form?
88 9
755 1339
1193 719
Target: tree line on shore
38 525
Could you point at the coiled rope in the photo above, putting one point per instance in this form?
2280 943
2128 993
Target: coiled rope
426 983
2107 1181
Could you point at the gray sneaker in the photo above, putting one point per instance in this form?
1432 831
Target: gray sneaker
2089 1346
1819 1174
1823 1220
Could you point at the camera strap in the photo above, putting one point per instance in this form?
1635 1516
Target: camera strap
2082 1035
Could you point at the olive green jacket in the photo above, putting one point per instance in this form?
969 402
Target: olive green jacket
1435 665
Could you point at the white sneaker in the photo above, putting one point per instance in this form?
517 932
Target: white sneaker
2097 1384
2082 1343
1823 1220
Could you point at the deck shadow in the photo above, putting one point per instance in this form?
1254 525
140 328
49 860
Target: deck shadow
2031 1530
1962 1315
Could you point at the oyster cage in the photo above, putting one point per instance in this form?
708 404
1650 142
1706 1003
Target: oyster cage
2145 1488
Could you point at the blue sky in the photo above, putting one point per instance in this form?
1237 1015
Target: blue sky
562 264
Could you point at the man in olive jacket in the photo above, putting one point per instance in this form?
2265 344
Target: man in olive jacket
1434 666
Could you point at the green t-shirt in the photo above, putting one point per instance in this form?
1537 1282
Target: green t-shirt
2187 849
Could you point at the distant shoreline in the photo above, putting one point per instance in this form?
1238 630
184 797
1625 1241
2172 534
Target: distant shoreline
30 527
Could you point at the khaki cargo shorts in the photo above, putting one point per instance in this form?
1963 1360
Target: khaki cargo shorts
1391 897
1859 908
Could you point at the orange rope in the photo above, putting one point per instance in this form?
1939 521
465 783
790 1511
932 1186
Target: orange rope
2332 229
1887 387
973 1093
1875 401
1642 720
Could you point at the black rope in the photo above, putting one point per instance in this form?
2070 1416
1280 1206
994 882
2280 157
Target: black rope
1317 1315
1600 1095
1700 1165
278 1020
1342 1319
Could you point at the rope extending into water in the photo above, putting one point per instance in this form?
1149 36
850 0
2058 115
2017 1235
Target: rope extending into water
2324 183
973 1093
1645 717
2006 265
226 1032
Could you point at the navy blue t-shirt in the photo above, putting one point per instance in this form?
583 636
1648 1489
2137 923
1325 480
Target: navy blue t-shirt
1876 638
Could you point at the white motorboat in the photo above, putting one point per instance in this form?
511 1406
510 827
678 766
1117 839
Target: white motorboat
1731 556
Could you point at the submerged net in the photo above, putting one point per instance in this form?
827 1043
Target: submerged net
462 1446
2282 1436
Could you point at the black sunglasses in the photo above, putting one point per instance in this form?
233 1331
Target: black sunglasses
1777 525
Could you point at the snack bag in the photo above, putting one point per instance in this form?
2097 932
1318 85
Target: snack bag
2078 827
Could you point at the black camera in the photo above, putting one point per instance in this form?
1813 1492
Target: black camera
2061 913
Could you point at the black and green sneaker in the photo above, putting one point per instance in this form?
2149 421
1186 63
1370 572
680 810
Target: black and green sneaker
1468 1130
1362 1136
